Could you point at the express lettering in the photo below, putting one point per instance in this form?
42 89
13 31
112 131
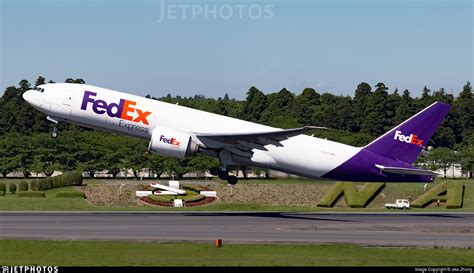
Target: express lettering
123 110
411 139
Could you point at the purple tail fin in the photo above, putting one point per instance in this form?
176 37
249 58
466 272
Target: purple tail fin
406 141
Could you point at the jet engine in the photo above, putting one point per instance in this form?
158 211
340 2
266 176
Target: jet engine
171 142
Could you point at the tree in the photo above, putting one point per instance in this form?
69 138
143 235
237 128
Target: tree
40 81
393 103
405 108
305 105
376 119
466 154
156 164
441 158
136 156
344 114
9 160
24 85
362 94
464 105
254 105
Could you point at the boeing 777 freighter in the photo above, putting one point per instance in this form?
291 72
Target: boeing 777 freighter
177 131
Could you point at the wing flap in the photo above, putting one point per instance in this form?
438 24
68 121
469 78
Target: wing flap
407 171
261 138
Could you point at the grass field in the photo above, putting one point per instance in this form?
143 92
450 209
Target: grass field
392 191
106 253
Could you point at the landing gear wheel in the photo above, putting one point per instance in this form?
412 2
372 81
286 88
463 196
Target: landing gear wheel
223 175
214 171
232 180
54 134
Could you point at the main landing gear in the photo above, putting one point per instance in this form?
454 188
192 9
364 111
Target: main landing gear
223 174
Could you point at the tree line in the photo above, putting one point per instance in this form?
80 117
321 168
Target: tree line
26 145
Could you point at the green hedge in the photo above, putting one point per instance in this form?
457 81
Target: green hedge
191 188
71 194
23 186
31 194
34 185
353 197
12 188
2 193
162 198
70 179
2 187
194 198
451 192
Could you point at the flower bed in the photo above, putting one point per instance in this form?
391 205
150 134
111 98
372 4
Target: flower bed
150 201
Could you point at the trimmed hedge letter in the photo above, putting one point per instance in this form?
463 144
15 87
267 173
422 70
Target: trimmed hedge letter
353 197
451 192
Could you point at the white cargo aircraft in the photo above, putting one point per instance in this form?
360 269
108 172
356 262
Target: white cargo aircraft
178 131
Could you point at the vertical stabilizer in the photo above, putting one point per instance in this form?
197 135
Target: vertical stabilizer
406 141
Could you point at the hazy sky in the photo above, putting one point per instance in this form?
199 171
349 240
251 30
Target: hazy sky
216 47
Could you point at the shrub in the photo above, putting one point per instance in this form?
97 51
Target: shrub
71 195
41 185
12 187
60 181
31 194
70 179
450 192
23 186
191 188
55 181
34 185
2 193
194 198
162 198
2 187
47 183
354 198
76 178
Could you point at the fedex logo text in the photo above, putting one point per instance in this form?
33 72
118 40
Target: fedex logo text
411 139
123 110
172 141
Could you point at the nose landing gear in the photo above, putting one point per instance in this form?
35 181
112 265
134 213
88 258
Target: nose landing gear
54 134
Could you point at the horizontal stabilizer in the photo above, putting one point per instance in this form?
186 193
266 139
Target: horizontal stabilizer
407 171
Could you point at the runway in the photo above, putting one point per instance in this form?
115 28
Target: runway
403 229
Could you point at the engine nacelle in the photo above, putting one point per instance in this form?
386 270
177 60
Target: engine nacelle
171 142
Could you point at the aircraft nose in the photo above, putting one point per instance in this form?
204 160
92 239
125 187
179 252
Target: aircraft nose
28 96
34 99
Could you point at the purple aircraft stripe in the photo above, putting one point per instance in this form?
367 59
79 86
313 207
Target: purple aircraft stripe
361 167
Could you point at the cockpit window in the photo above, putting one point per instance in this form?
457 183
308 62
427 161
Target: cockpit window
39 89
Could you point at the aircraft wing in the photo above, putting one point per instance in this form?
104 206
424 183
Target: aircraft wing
260 137
407 171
